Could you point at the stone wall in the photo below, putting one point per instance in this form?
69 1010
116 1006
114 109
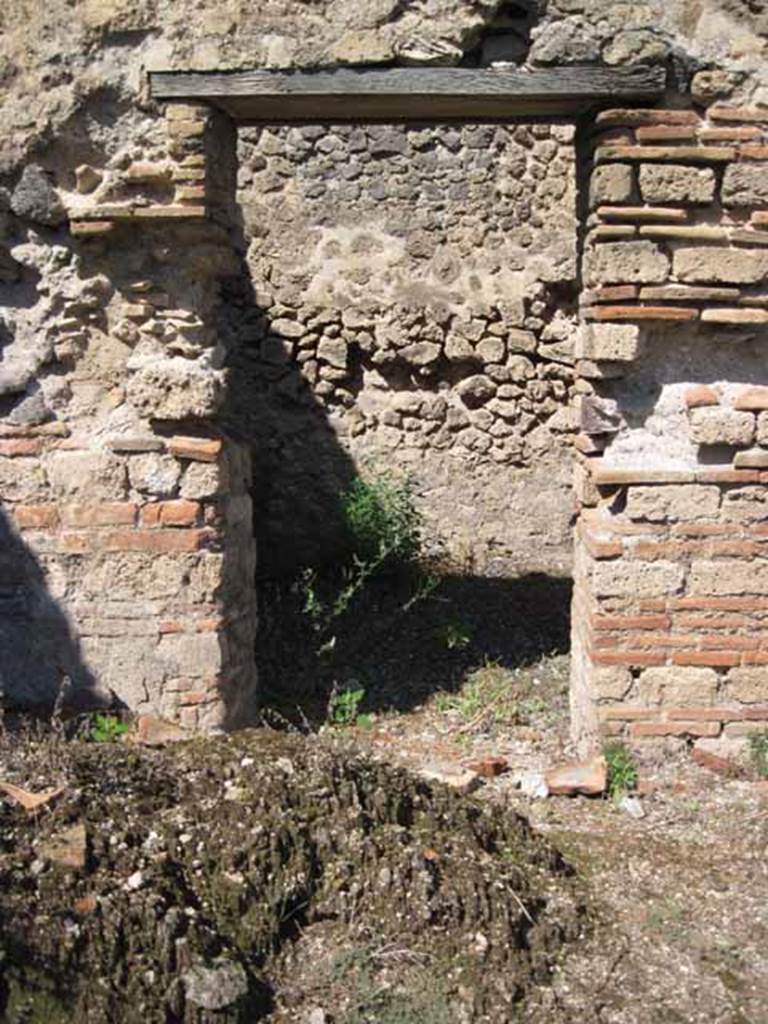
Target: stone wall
670 634
128 554
126 272
414 305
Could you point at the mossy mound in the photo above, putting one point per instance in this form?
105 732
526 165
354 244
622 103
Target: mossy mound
211 866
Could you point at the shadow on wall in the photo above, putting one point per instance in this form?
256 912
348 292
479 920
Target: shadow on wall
301 469
40 659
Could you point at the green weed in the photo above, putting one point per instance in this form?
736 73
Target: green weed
344 705
107 729
622 770
455 636
382 520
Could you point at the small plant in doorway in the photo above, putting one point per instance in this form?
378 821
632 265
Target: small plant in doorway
107 729
344 706
622 770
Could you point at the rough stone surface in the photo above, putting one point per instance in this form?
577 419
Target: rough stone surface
745 185
673 183
717 265
35 198
677 686
625 262
673 502
722 426
612 183
406 324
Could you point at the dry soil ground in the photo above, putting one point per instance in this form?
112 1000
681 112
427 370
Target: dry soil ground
681 893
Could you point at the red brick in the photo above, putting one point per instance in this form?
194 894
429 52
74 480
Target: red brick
754 713
74 543
641 313
35 517
690 728
676 154
160 541
198 449
713 622
733 134
648 550
610 476
179 512
600 549
713 659
703 714
631 658
117 513
752 399
727 476
631 622
666 640
612 293
725 604
701 395
702 529
726 113
150 515
209 625
733 643
665 133
638 117
14 447
755 658
170 626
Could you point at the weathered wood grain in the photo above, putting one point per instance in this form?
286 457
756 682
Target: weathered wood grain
407 93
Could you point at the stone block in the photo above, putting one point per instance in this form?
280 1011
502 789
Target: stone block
35 198
612 342
752 458
729 266
636 579
673 502
745 185
762 429
175 389
88 476
22 480
729 576
612 183
720 425
611 682
747 685
154 474
196 655
677 686
625 263
745 504
673 183
202 480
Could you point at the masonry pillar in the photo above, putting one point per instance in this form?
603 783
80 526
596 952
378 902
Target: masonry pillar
130 552
670 635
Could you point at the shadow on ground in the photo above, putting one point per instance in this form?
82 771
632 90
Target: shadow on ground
400 655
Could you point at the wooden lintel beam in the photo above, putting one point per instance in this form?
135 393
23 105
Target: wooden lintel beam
408 93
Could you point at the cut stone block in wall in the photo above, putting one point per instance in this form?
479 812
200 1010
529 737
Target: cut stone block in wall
670 614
